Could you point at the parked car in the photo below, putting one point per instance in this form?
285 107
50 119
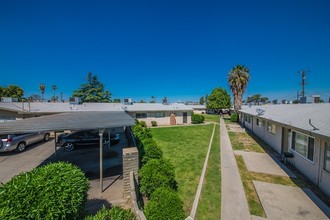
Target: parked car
19 142
86 137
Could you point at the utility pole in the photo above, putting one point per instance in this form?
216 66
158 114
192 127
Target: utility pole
303 83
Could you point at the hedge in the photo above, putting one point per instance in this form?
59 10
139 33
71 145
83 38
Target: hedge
164 204
197 119
156 173
115 213
234 117
54 191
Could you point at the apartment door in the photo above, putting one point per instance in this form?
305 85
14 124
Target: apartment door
185 115
285 140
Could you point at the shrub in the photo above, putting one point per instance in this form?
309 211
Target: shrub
164 204
151 151
154 123
197 119
143 124
149 141
54 191
156 173
234 117
115 213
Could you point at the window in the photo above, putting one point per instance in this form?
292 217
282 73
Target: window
159 114
249 119
271 127
258 122
327 157
140 115
303 144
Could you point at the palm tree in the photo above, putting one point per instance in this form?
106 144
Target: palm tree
238 79
42 88
54 87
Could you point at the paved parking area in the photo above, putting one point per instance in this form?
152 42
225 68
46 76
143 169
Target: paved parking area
86 158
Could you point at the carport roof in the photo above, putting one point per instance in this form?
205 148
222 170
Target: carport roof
68 121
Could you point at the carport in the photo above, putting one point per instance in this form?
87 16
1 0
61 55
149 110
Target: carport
71 121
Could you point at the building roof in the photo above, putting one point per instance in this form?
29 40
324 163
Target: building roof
296 115
51 107
195 107
144 107
77 120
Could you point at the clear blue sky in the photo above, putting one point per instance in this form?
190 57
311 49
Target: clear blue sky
178 49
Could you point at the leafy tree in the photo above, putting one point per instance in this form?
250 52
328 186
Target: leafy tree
141 101
218 99
153 99
92 91
12 91
201 100
116 100
42 88
165 100
238 79
257 98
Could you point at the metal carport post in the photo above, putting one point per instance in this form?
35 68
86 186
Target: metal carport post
101 158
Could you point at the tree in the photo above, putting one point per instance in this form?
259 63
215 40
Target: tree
153 99
54 98
116 101
219 99
34 98
12 91
201 100
92 91
42 88
238 79
165 100
256 99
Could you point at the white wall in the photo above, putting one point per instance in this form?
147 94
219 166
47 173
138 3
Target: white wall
324 178
274 140
163 120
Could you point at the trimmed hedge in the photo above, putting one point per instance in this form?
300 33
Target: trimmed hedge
54 191
115 213
197 119
151 152
164 204
234 117
154 123
156 173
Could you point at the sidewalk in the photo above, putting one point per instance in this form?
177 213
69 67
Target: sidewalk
233 201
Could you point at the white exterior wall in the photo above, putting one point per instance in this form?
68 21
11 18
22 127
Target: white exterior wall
259 130
305 166
274 140
162 120
199 111
324 178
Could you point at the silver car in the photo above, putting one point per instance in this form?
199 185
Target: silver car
18 142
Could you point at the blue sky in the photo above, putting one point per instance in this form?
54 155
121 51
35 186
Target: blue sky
178 49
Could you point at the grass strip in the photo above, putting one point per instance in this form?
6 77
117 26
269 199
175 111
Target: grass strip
209 206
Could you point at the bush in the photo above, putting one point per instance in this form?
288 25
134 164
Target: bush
143 124
154 123
141 133
164 204
234 117
156 173
151 152
115 213
54 191
149 141
197 119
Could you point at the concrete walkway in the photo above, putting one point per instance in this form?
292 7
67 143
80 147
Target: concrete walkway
233 201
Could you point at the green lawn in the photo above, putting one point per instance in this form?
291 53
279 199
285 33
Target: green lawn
211 118
186 147
209 206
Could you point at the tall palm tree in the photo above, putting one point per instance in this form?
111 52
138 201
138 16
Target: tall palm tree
54 87
42 88
238 79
